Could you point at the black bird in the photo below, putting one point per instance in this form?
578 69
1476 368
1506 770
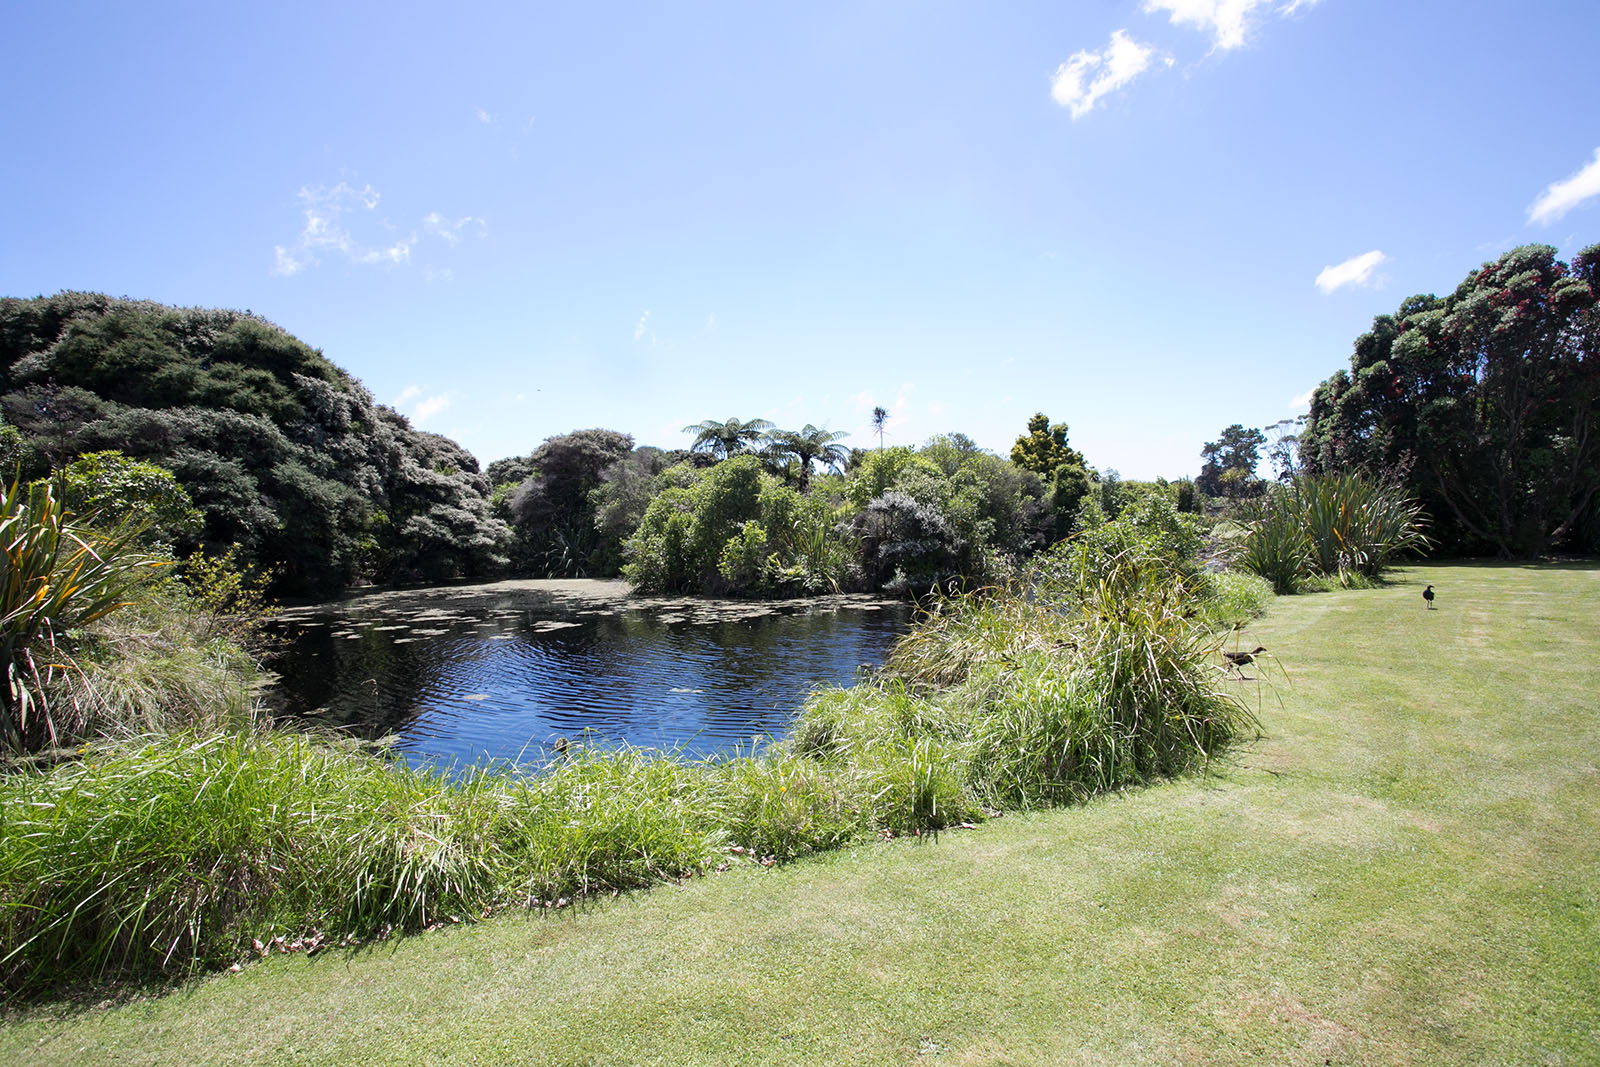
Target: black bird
1427 596
1237 660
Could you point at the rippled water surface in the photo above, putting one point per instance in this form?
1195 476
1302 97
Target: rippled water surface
504 670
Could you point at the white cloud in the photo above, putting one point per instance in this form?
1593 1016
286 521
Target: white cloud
428 408
326 230
285 262
1562 196
339 221
1123 60
1296 403
450 232
711 321
409 393
1357 270
638 331
1228 21
484 117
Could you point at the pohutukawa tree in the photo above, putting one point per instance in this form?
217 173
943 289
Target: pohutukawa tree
1485 403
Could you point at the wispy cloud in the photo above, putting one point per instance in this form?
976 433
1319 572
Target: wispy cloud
1303 400
484 117
428 407
638 330
448 231
327 232
1562 196
1229 22
1086 77
341 221
1357 270
414 401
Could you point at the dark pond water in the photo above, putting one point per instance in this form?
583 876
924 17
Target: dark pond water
501 671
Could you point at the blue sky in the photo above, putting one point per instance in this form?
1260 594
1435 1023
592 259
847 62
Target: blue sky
1146 219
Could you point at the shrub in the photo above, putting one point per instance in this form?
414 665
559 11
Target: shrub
1343 526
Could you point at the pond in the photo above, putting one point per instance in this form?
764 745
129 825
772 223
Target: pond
507 670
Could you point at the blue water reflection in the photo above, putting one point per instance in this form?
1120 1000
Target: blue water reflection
502 671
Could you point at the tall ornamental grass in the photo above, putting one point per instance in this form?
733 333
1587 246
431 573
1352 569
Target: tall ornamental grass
1107 677
55 577
1343 527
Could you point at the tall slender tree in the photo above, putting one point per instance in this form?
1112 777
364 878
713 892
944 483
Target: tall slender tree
880 419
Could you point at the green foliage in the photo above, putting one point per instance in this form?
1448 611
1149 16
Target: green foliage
283 453
880 471
54 579
726 439
1044 450
1230 463
1344 527
108 489
808 446
553 508
1147 520
1483 404
734 529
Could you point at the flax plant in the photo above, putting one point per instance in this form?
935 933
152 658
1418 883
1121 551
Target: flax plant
1343 526
55 577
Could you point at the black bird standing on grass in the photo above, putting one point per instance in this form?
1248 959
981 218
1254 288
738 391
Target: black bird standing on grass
1237 660
1427 596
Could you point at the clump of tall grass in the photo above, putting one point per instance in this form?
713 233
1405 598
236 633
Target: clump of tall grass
162 663
1342 527
1231 598
958 633
166 857
600 820
159 858
55 578
1101 674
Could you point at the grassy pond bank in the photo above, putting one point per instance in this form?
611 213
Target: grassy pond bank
1401 869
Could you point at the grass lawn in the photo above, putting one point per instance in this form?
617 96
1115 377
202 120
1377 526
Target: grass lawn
1404 870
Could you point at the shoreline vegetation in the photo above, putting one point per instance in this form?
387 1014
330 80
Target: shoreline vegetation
165 856
1400 869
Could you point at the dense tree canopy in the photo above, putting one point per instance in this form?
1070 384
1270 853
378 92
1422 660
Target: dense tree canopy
1044 450
1485 404
283 453
1230 463
553 507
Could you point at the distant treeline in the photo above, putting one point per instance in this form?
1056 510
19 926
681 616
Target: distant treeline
288 457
